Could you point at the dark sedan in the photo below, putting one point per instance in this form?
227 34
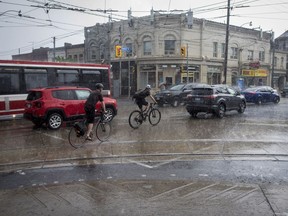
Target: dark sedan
170 96
261 94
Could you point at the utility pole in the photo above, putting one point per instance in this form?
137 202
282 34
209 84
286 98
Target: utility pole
273 60
120 62
227 42
54 51
187 81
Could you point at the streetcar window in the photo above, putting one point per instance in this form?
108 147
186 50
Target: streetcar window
35 78
9 80
67 76
90 78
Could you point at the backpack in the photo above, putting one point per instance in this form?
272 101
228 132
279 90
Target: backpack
139 94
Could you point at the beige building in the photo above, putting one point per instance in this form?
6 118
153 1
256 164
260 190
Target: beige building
174 48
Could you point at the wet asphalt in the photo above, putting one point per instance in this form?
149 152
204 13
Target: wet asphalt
183 166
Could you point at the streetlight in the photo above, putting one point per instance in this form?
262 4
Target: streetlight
250 23
226 42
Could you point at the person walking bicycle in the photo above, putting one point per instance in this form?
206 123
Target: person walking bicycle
78 132
89 107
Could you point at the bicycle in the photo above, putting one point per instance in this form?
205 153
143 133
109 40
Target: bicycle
78 132
137 117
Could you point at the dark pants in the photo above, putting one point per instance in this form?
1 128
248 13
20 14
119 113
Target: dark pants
140 102
90 114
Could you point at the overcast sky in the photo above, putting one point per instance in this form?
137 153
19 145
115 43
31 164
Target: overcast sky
66 19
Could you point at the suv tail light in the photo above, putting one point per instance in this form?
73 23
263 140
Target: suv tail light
38 104
212 96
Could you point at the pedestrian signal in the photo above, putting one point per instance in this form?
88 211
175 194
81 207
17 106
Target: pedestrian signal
118 51
183 51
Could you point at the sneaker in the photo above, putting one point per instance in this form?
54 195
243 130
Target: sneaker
89 138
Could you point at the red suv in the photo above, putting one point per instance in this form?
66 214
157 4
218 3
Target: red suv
53 105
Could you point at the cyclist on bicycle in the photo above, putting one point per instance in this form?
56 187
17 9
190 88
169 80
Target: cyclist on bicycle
140 99
89 107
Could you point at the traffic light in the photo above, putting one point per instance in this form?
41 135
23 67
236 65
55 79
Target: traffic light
183 51
118 51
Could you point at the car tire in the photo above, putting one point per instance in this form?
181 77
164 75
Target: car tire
276 100
54 121
221 110
259 101
109 115
175 102
193 114
241 107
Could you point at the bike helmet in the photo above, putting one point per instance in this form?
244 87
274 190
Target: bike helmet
99 86
148 86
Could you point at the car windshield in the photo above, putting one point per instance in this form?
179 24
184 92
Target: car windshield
177 87
251 89
202 91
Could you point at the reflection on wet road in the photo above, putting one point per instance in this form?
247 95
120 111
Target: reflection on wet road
209 166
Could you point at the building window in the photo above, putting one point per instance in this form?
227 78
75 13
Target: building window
93 54
147 46
81 58
234 53
215 49
169 47
275 62
223 50
282 63
262 56
250 55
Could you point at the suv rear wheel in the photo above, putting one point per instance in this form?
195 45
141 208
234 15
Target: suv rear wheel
175 102
54 121
241 107
221 110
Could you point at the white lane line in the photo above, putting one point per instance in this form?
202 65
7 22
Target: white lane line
55 137
204 140
264 124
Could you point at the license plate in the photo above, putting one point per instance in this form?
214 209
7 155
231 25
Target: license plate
197 99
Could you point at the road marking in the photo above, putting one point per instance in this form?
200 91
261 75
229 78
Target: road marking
265 124
170 191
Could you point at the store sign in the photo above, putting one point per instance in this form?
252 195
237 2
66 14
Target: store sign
255 73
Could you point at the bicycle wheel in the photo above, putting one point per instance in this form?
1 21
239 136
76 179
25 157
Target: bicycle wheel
103 130
135 119
76 140
154 116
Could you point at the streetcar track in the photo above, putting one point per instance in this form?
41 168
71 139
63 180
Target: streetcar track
77 160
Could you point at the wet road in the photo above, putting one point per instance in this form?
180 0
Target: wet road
238 162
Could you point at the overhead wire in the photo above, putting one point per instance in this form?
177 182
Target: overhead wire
198 10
